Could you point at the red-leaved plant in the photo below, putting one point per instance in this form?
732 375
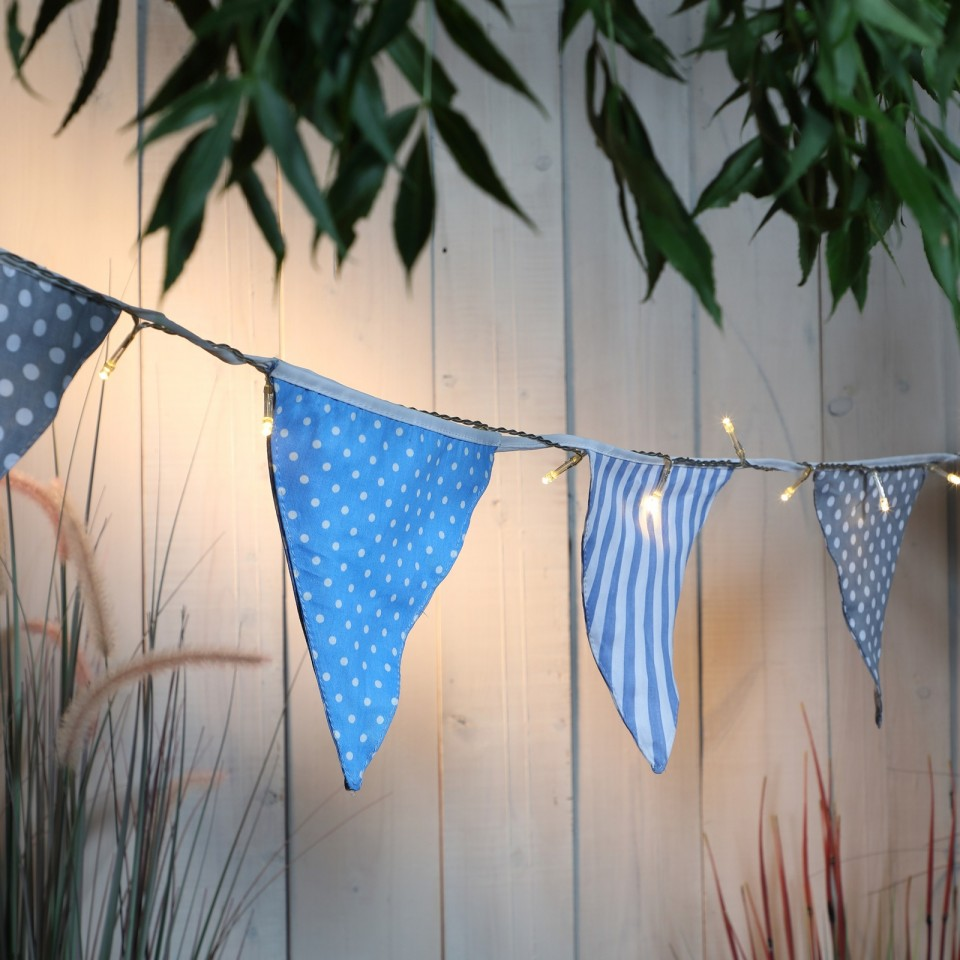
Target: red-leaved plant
761 929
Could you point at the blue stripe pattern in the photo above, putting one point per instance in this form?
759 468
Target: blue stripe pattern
633 563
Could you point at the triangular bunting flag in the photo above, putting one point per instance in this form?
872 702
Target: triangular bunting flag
48 327
374 509
641 523
864 542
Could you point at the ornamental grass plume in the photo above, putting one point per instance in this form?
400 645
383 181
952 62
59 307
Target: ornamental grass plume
74 545
110 855
85 704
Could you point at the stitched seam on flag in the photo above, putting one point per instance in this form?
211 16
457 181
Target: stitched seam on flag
385 408
76 361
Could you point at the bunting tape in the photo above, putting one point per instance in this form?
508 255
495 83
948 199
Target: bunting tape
374 501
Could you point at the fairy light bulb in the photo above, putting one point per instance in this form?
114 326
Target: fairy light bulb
111 364
266 425
792 489
552 475
727 424
881 493
952 478
650 504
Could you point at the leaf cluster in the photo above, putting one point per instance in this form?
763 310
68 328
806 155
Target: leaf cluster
259 73
845 107
848 103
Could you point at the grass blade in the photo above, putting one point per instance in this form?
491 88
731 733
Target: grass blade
768 929
784 894
929 907
736 951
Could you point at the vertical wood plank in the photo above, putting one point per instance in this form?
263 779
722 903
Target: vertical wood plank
499 348
365 867
207 501
887 386
634 369
762 589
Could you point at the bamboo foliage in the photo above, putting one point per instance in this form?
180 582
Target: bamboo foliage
845 110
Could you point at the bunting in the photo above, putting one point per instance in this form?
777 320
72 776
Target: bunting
374 505
48 327
374 502
863 529
642 520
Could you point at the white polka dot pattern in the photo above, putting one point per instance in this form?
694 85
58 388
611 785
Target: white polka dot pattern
864 543
374 511
46 332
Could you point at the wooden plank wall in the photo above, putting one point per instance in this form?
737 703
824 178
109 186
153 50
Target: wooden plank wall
509 813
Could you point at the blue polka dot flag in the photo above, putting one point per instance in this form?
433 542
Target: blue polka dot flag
48 327
635 549
374 502
864 543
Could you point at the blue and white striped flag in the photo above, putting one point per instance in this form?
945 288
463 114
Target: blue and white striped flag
634 554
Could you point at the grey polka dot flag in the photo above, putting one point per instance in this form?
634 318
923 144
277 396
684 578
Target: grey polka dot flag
48 327
864 542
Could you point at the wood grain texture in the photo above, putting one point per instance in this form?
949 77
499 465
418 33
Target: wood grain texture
762 588
633 366
499 353
887 389
509 812
207 502
365 867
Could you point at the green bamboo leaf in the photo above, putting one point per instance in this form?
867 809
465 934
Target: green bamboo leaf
263 213
501 6
944 80
360 175
100 49
184 193
951 149
844 258
912 181
204 60
632 31
193 11
572 13
886 16
738 175
665 223
196 105
624 207
413 212
278 123
410 57
469 35
369 113
808 245
471 157
389 18
859 285
815 135
46 15
15 37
